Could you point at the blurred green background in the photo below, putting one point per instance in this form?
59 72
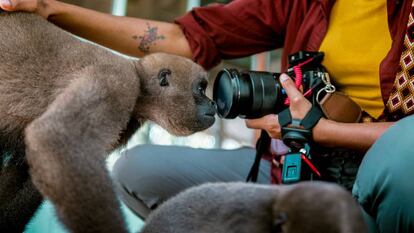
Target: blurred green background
45 221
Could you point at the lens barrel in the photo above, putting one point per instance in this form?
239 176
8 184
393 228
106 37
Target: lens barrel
247 94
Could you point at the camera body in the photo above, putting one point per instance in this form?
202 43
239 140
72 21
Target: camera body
253 94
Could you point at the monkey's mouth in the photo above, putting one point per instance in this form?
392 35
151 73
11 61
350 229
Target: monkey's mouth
210 114
209 118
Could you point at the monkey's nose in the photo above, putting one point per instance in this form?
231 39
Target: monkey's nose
214 105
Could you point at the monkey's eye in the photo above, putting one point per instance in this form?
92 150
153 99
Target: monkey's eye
163 77
202 87
202 91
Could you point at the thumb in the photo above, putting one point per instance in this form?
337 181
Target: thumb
290 87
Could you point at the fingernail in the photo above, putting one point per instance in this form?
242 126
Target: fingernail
283 77
5 3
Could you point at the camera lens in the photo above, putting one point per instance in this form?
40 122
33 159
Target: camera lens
223 93
247 94
230 92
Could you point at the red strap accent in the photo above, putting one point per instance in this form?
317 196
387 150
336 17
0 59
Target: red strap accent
299 78
312 167
298 74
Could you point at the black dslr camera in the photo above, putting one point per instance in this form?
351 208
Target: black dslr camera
252 94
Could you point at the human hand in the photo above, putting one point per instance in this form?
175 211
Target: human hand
39 7
299 107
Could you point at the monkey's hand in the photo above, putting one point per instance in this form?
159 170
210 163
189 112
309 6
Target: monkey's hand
65 148
40 7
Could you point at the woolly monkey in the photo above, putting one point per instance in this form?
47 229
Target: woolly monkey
65 104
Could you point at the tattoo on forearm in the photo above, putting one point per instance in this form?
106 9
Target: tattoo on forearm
149 38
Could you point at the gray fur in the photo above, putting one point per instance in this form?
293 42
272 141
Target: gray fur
65 104
308 207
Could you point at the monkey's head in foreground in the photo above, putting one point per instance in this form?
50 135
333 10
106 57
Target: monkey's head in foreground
171 81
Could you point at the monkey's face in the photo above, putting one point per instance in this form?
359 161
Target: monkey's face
173 94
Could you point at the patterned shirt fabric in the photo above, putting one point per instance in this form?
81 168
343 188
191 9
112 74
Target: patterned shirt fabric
401 98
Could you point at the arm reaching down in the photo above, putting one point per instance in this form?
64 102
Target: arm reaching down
131 36
67 145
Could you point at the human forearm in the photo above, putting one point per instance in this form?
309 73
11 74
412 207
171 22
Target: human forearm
359 136
132 36
124 34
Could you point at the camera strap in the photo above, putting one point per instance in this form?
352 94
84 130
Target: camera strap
261 146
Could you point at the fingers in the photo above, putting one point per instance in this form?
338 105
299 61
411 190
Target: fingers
290 87
270 123
19 5
299 105
6 5
262 122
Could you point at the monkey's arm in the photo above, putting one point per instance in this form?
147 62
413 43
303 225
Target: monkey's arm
66 148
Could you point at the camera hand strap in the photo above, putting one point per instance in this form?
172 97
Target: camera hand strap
299 129
312 118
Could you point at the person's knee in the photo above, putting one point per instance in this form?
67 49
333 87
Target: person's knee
384 182
393 201
396 189
393 158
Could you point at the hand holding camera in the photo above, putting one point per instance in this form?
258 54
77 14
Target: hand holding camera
258 96
299 107
251 94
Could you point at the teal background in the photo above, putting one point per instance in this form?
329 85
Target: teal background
45 220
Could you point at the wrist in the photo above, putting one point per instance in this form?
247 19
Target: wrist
51 8
44 7
320 131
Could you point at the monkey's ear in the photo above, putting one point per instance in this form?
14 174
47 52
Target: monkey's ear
163 76
280 219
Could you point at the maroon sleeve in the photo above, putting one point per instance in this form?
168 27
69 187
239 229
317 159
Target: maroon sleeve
237 29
